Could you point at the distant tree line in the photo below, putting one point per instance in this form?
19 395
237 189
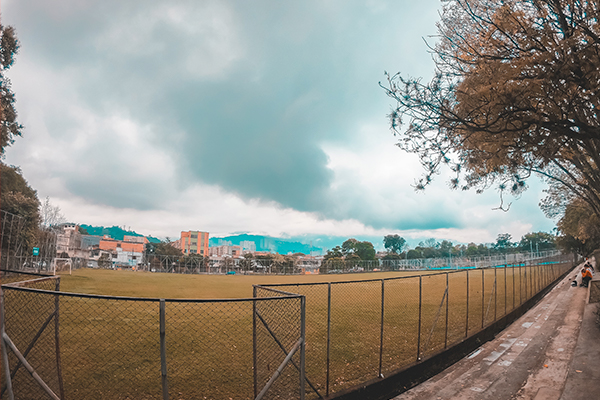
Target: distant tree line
397 248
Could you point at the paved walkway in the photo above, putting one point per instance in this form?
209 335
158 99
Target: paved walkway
552 352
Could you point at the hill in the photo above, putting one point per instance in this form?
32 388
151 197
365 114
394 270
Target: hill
115 232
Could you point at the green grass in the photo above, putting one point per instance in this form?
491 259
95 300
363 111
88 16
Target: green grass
177 286
110 348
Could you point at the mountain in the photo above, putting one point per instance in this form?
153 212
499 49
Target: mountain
115 232
267 243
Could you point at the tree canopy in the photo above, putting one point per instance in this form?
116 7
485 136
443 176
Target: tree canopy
9 127
394 243
515 93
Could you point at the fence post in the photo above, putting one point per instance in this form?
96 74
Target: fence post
254 371
419 328
513 287
482 297
447 301
467 323
505 295
520 285
163 352
5 364
302 346
495 293
328 336
56 340
381 334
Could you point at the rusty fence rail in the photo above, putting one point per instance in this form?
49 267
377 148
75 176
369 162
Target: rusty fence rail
286 342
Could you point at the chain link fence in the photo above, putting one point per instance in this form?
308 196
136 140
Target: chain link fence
104 347
287 342
358 331
22 250
196 264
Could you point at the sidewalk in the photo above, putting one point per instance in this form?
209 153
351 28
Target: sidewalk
552 352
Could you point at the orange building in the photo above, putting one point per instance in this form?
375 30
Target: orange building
194 242
107 243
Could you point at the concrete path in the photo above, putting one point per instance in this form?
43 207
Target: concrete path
541 356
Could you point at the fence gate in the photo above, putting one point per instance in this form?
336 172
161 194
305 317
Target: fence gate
30 341
279 345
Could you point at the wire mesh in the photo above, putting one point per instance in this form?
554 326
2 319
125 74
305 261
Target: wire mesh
109 347
316 333
400 323
30 324
457 307
355 332
209 349
433 314
277 331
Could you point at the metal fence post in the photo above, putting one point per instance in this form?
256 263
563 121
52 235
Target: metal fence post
467 323
381 334
520 285
419 328
513 287
254 349
482 298
328 337
447 298
495 293
302 346
505 295
5 364
163 352
56 340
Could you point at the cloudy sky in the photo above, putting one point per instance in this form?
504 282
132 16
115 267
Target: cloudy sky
234 116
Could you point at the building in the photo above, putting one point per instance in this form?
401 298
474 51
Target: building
69 242
194 242
123 252
226 251
248 245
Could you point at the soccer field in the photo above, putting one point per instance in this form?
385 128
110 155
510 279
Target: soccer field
177 286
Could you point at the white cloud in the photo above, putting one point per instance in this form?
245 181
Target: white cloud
120 98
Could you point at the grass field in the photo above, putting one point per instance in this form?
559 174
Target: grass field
110 348
176 286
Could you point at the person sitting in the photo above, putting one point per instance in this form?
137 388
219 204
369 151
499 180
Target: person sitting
586 277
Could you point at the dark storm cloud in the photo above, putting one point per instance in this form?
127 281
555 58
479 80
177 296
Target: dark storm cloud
242 93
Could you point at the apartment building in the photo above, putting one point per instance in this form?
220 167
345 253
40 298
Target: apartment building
226 251
194 242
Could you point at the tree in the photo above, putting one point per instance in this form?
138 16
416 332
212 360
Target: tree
9 127
365 250
336 253
348 247
394 243
515 93
414 254
537 241
503 242
579 228
17 197
51 215
163 248
104 261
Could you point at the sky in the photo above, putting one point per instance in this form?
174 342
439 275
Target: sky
226 116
